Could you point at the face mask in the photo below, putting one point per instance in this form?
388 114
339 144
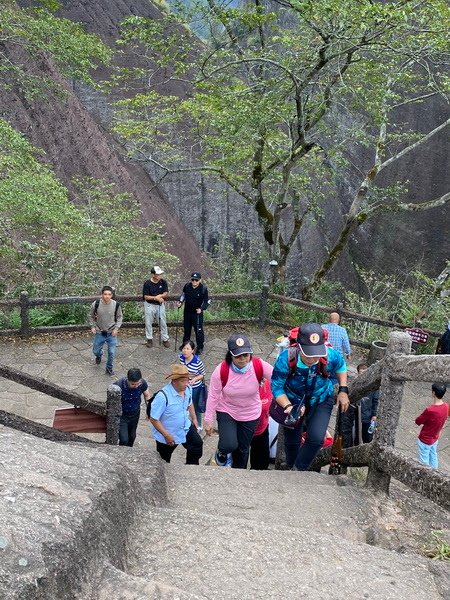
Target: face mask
236 369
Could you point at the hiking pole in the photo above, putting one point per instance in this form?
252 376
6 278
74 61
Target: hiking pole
159 322
337 453
176 328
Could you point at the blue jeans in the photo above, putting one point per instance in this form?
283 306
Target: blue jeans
198 414
111 341
428 453
315 424
127 430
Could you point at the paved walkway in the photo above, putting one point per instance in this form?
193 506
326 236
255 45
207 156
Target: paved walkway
68 361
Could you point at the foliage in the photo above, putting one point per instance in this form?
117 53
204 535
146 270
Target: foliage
52 247
439 547
266 87
34 32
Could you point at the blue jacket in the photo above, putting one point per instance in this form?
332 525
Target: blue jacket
305 378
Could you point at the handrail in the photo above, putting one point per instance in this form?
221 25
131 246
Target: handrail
382 458
264 297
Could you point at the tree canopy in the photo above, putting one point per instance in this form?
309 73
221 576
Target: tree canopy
279 96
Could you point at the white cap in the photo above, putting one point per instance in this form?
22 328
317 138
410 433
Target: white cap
157 270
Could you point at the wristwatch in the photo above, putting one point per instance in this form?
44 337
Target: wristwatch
343 388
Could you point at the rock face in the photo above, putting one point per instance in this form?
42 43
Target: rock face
197 212
64 512
93 524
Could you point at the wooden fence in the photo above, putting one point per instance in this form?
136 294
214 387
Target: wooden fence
265 300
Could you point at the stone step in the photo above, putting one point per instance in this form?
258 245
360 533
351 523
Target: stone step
224 557
302 499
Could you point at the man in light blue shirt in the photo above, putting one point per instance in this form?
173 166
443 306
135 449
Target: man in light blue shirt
338 336
173 419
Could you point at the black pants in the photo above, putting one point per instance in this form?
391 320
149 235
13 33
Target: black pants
194 320
235 437
127 429
260 451
193 445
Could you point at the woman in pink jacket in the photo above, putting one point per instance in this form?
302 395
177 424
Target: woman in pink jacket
233 398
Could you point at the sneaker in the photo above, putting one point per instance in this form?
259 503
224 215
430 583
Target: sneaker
98 359
149 343
166 344
199 351
229 462
221 459
109 371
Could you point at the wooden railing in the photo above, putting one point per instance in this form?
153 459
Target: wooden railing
382 458
265 299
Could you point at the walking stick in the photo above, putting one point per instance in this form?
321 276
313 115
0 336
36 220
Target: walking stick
176 329
337 453
159 322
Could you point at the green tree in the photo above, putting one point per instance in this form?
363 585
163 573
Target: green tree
50 246
280 95
34 32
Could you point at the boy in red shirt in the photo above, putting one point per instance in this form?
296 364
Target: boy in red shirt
433 420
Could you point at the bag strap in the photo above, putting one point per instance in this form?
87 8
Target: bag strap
259 369
257 366
224 372
97 304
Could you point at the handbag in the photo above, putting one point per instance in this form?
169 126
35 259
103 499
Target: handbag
292 419
202 397
288 420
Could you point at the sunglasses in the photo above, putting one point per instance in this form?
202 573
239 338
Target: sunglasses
193 279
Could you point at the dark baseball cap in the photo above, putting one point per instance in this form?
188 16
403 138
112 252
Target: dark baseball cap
311 339
238 344
196 275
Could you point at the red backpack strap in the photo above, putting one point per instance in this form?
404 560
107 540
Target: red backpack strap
259 369
292 359
224 372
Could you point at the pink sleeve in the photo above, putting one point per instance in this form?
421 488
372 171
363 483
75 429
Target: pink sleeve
267 370
214 393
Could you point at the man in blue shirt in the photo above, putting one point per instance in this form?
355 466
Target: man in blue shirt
132 387
173 419
308 383
338 336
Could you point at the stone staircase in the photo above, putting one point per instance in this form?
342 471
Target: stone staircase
100 523
263 535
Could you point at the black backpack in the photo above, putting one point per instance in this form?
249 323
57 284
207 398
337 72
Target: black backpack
97 304
149 403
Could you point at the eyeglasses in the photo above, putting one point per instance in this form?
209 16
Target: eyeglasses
194 279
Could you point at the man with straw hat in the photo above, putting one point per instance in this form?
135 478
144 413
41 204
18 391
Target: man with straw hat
173 419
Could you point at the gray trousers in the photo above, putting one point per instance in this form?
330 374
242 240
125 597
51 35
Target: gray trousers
155 312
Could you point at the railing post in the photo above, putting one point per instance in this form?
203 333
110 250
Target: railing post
264 305
24 315
391 395
113 414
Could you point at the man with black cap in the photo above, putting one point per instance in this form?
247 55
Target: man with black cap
154 294
305 377
195 300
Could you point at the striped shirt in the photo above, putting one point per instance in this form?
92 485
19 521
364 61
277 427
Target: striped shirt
195 367
338 338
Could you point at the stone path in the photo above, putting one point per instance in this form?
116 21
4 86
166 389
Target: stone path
68 361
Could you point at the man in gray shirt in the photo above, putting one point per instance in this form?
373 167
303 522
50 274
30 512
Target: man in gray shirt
105 319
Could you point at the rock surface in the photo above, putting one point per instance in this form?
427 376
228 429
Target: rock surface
93 524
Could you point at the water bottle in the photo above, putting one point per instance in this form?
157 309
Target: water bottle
372 426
